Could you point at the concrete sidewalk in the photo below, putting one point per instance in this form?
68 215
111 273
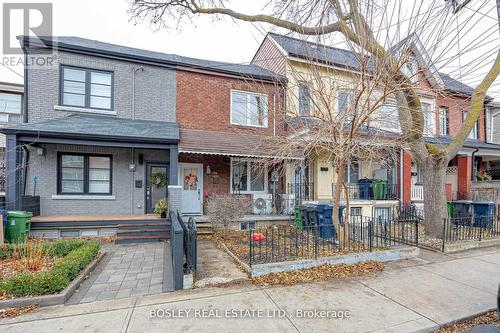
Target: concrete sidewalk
411 296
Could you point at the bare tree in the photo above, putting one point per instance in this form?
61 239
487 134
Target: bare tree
377 29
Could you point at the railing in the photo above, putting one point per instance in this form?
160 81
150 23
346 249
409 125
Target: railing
190 242
301 191
360 234
177 251
470 228
368 191
417 193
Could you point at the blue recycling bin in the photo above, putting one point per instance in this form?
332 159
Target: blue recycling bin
326 228
365 188
484 212
462 208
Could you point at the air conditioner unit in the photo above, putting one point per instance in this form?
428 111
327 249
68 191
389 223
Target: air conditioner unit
262 203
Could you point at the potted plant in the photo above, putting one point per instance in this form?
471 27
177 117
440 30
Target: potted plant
161 207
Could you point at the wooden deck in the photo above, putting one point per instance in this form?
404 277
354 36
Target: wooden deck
84 218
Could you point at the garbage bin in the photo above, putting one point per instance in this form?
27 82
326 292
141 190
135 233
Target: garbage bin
18 226
379 188
312 217
299 223
484 212
365 188
326 228
305 217
462 212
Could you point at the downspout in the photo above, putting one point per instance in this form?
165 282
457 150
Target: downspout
401 175
473 173
132 186
25 95
25 167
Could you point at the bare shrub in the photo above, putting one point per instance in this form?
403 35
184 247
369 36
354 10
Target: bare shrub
225 210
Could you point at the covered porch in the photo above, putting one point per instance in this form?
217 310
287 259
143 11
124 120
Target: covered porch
89 165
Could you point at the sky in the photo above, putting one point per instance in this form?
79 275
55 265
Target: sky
222 40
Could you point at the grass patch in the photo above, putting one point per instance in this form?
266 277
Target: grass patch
319 273
69 258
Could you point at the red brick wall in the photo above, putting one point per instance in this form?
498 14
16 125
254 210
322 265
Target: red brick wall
464 174
204 102
218 182
456 106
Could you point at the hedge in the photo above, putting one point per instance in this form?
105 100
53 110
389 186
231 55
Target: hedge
58 277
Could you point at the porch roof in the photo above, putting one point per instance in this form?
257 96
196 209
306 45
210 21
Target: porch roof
97 128
225 144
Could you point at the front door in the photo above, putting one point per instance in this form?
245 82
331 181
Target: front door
156 184
191 179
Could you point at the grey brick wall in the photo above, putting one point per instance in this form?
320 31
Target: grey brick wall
128 199
155 88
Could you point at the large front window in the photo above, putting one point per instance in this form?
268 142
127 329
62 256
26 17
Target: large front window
84 174
10 107
248 108
247 176
86 88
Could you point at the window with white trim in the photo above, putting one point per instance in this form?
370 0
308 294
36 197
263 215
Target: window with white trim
86 88
351 172
429 119
247 176
473 132
304 100
410 70
444 128
248 108
388 117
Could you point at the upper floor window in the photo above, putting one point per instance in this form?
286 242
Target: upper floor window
10 107
429 119
86 88
388 117
444 126
410 70
248 108
351 172
473 132
344 98
304 100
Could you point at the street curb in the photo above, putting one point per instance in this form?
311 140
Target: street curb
56 299
460 320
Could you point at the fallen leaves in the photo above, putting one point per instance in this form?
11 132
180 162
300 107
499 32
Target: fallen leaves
487 318
12 266
319 273
13 312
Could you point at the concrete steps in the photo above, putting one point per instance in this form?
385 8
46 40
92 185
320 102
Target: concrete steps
204 228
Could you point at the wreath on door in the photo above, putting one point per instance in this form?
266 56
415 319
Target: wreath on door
158 179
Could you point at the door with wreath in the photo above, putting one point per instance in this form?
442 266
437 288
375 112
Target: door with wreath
156 184
191 178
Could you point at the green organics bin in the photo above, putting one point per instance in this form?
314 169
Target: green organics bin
379 188
449 206
298 217
18 226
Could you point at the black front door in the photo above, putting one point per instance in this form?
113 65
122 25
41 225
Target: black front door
156 184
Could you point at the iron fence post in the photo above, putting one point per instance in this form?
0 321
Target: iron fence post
444 234
370 235
250 249
416 232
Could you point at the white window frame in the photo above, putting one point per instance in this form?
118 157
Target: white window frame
474 131
347 176
412 73
249 182
299 111
391 124
351 95
432 103
249 93
443 117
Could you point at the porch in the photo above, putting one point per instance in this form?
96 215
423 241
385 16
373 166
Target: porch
101 167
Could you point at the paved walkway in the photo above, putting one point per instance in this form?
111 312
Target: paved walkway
411 296
125 271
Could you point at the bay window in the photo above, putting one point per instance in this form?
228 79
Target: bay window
248 108
247 176
84 174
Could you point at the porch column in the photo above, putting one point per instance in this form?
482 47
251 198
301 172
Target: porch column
464 176
13 183
406 181
174 166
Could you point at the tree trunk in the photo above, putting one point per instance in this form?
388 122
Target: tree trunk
340 170
434 174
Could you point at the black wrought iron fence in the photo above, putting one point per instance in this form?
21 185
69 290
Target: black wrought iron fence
190 243
360 234
471 228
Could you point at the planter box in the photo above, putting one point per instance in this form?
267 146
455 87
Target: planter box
31 203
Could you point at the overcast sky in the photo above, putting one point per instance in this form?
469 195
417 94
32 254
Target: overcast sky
225 40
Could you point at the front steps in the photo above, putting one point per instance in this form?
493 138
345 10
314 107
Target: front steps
153 230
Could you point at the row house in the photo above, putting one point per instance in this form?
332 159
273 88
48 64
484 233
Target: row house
445 102
108 131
